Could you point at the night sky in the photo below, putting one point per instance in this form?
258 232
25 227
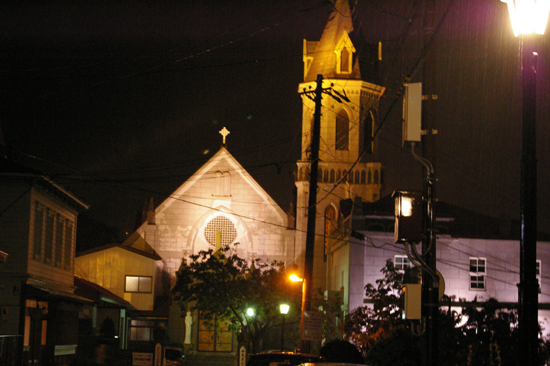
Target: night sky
121 101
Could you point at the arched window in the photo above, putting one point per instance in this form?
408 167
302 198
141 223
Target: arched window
344 60
369 180
330 225
344 174
368 130
320 175
325 178
332 176
357 179
342 131
350 176
363 177
376 177
338 175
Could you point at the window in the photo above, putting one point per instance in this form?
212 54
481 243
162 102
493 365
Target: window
68 248
538 271
368 130
222 185
214 335
59 223
48 247
342 131
332 176
357 178
139 284
401 263
53 237
38 230
224 226
330 225
477 273
141 330
363 177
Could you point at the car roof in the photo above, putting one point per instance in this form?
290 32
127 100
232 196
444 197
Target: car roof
265 358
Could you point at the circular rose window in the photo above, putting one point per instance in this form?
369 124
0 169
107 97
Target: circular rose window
223 225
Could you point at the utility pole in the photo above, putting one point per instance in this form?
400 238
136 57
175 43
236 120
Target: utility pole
312 202
311 211
430 289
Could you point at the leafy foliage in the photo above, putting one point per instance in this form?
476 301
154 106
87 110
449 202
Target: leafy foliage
223 286
482 334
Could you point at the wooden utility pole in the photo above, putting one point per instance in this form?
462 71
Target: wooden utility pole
311 211
430 289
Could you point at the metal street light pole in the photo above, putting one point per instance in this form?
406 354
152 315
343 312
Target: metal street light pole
284 310
528 17
528 286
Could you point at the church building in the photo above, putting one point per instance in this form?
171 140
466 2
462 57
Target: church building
348 164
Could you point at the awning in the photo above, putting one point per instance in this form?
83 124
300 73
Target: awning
47 294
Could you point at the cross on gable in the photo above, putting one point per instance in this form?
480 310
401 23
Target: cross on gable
224 132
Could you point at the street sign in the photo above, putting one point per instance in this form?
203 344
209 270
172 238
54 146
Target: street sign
313 326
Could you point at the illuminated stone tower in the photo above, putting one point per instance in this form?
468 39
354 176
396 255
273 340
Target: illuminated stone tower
347 155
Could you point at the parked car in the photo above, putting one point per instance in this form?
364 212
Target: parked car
282 358
173 356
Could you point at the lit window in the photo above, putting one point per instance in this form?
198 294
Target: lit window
223 225
214 335
141 330
139 284
401 263
478 273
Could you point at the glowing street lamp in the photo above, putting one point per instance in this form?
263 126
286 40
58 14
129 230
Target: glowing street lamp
408 216
528 17
284 310
250 312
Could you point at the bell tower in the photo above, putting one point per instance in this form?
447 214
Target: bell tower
348 152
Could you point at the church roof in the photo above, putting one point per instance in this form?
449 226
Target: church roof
340 30
222 157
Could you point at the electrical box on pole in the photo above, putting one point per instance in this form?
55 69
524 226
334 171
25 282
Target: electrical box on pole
412 113
412 301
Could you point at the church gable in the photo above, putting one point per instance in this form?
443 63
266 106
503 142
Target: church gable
221 200
222 181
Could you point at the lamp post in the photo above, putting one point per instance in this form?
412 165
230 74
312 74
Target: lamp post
284 310
528 17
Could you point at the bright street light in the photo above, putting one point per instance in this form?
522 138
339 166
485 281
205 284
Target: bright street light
528 16
295 278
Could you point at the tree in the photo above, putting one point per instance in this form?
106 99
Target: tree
488 337
223 286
